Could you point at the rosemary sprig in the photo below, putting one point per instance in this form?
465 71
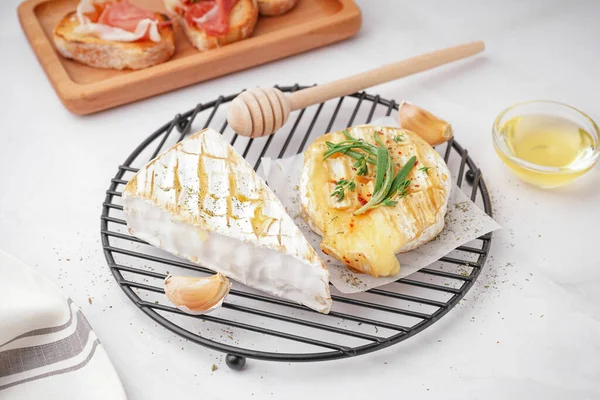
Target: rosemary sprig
341 186
348 135
333 148
401 184
387 187
348 149
398 189
425 169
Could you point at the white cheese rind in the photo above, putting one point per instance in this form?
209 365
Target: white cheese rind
240 229
406 223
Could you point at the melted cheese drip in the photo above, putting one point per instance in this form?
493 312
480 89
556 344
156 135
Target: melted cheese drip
369 242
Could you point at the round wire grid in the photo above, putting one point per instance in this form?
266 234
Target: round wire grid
256 325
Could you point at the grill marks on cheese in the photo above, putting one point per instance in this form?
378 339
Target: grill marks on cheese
368 243
202 201
224 194
117 20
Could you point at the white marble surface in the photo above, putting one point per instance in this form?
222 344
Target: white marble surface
528 329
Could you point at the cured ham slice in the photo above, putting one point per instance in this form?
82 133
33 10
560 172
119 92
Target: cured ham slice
201 200
117 21
212 16
123 15
209 24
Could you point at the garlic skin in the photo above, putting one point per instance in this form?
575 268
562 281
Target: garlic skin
431 128
197 295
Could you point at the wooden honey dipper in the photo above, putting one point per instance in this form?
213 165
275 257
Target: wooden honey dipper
262 111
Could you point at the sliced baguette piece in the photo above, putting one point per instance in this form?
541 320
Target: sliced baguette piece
270 8
242 19
99 53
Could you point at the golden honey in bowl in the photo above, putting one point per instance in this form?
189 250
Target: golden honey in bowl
545 144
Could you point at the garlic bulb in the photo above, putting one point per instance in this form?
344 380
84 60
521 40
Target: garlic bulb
197 295
431 128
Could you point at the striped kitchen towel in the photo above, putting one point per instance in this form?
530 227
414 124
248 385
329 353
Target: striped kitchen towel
47 348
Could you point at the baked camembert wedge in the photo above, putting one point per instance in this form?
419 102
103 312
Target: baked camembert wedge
114 34
372 192
202 201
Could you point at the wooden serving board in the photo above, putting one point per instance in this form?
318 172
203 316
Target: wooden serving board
85 90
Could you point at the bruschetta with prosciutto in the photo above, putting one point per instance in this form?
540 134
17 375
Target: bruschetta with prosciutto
271 8
115 34
214 23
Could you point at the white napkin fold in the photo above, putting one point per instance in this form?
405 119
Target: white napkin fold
48 350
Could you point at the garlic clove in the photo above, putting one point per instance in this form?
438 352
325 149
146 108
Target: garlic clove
429 127
197 295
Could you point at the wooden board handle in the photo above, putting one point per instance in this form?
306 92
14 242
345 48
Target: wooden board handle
353 84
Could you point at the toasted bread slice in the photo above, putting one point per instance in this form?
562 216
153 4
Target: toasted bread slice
99 53
269 8
242 19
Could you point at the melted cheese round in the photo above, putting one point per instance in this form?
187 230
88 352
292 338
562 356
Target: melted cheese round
202 201
368 243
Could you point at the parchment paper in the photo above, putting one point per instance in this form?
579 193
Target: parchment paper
464 222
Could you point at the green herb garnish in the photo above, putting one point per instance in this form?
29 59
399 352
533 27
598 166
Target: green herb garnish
341 186
401 184
361 166
387 188
425 169
347 150
399 138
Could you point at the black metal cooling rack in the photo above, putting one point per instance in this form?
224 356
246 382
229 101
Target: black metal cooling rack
255 325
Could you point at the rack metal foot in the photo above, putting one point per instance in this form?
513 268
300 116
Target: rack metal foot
234 362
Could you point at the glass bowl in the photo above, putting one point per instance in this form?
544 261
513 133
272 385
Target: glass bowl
564 161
